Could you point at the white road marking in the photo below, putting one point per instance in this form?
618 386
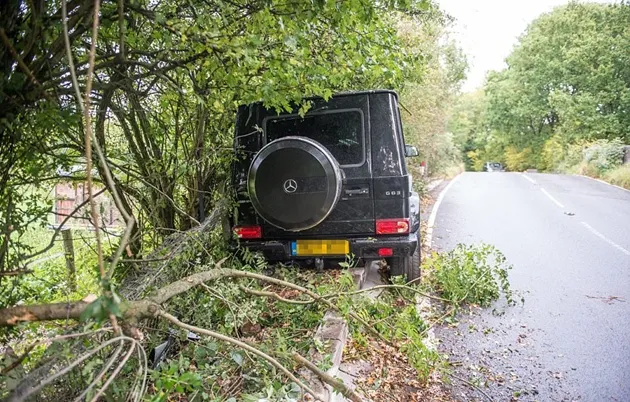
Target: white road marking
528 178
606 239
551 198
431 222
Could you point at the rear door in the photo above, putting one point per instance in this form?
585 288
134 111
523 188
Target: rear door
392 187
342 125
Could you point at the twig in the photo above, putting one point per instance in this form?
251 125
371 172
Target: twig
66 37
227 303
72 365
88 136
449 312
103 371
313 295
356 292
57 338
240 344
115 373
85 106
19 360
336 384
16 273
274 295
472 386
23 66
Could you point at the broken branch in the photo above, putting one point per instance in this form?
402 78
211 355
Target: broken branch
240 344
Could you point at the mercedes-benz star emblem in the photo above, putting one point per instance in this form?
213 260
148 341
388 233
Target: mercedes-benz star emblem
290 186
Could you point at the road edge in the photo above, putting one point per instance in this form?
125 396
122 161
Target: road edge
434 211
601 181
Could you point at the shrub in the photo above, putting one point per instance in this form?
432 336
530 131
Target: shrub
619 176
470 274
573 157
588 169
476 160
552 153
516 160
605 154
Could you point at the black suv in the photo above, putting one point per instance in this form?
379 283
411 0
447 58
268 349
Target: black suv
330 184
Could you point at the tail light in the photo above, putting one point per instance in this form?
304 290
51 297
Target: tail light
248 232
392 226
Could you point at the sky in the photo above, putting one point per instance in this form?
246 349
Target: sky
487 30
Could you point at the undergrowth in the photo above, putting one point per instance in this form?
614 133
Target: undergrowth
203 369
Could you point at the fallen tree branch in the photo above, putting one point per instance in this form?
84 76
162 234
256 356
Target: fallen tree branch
41 312
149 307
333 382
69 367
240 344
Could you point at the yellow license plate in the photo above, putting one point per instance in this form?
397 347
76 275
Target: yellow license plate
320 247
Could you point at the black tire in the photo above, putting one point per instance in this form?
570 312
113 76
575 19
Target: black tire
294 183
408 267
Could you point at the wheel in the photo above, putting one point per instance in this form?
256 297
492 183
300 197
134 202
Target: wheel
294 183
408 267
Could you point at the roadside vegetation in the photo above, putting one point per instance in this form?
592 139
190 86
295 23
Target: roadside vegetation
137 101
561 104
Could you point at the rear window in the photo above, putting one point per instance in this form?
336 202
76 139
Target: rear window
340 132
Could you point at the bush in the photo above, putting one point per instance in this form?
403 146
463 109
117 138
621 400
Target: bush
516 160
619 176
552 154
588 169
470 274
605 154
573 157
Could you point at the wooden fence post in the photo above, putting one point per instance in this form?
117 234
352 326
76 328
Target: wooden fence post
68 248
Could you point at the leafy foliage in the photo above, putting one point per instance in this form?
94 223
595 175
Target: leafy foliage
475 274
170 76
427 101
605 154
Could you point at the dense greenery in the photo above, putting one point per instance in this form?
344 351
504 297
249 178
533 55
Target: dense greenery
567 82
426 102
168 76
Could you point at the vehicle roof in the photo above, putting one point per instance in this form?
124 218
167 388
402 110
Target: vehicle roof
344 93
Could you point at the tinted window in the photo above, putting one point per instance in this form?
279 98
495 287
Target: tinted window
340 132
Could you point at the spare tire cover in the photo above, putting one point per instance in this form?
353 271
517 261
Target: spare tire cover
294 183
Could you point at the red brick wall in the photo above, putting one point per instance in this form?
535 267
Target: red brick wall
69 195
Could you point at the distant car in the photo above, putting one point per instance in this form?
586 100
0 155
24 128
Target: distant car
493 167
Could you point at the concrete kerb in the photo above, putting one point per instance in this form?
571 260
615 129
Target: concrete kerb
332 335
433 184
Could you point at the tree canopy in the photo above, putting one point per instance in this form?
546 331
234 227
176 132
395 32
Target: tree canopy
568 76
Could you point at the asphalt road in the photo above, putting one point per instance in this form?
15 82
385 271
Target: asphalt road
568 239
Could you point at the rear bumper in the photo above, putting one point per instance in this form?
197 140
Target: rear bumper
364 247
